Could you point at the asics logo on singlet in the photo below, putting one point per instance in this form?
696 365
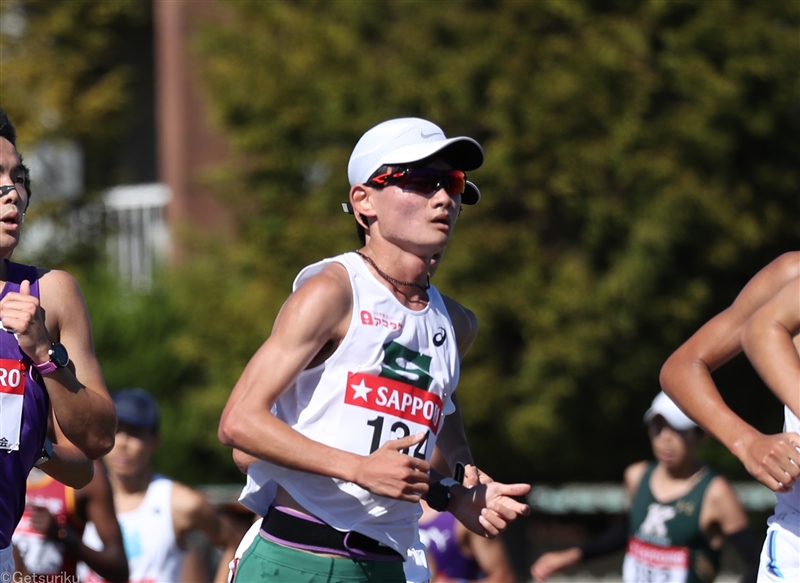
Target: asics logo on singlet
439 337
406 365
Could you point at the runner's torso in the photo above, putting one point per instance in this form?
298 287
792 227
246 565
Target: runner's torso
149 537
24 407
790 501
392 375
666 544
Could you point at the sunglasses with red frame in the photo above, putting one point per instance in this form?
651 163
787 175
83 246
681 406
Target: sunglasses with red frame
425 181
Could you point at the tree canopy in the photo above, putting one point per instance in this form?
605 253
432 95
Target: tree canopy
642 165
68 73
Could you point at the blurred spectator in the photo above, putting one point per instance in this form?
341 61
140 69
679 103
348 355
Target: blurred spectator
455 554
681 512
48 538
156 514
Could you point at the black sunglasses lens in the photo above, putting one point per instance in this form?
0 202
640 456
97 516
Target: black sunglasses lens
428 180
421 183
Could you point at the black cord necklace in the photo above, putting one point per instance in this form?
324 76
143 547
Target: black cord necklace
389 278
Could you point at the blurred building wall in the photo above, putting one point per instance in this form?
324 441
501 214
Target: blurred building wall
187 146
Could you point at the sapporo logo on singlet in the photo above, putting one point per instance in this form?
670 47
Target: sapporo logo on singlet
401 389
12 391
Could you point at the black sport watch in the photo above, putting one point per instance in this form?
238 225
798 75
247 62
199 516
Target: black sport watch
58 359
439 494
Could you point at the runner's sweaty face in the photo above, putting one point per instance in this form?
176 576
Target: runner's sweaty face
422 222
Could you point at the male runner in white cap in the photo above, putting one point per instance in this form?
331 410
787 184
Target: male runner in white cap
345 400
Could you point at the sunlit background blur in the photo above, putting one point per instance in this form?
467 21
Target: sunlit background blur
643 161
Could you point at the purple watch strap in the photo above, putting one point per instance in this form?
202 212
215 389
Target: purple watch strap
46 367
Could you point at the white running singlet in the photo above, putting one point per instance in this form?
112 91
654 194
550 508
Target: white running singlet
149 536
780 555
393 375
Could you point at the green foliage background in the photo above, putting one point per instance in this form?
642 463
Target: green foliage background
642 164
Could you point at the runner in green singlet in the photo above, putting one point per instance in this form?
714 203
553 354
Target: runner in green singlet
680 514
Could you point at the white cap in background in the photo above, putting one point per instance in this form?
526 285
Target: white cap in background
666 407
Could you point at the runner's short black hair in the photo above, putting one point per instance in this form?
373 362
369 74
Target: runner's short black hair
8 132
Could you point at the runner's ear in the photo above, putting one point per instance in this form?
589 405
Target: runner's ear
361 202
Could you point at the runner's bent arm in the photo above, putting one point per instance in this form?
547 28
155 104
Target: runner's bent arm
491 556
686 378
484 507
631 479
111 562
191 510
487 509
78 396
769 341
723 518
721 510
451 445
315 317
68 464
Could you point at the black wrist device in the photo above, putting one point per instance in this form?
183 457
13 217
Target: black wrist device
47 452
439 494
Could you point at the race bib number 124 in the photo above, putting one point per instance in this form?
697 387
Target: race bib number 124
381 409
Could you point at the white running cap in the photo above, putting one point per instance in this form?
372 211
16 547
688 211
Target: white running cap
411 139
666 407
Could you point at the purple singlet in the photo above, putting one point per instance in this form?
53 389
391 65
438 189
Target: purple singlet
15 465
439 535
